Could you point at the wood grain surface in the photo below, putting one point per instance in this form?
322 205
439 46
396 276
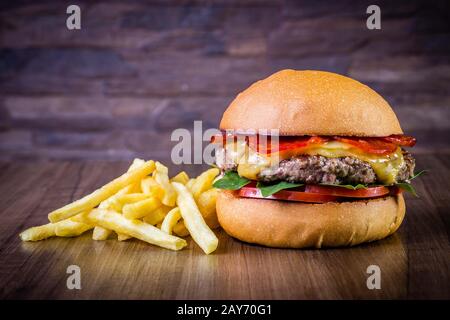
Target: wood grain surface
414 262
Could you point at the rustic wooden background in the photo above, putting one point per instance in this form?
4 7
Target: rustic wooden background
139 69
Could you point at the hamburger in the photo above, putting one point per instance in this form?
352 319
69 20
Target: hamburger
335 175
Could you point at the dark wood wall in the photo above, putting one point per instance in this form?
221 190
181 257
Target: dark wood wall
139 69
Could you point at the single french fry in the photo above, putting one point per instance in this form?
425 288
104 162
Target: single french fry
81 217
157 215
69 228
190 183
100 233
161 176
92 200
206 203
181 177
123 237
141 208
171 220
112 202
180 229
136 163
194 221
134 228
130 198
204 182
38 233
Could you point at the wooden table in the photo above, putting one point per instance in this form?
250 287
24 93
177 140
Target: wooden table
414 262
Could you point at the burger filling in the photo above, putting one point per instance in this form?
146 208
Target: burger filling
339 161
322 170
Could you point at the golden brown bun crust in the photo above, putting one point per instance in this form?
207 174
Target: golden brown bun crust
311 103
300 225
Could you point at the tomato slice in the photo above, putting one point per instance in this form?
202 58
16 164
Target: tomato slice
289 195
318 193
343 192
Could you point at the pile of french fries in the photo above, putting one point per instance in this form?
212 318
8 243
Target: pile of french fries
143 203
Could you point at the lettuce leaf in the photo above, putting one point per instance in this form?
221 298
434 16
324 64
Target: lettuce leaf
407 187
268 190
418 174
231 181
402 185
346 186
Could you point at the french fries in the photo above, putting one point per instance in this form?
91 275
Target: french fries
136 164
123 237
93 199
194 221
111 202
39 233
190 183
203 182
141 208
161 176
181 177
171 220
180 229
157 216
69 228
206 203
100 233
135 228
151 187
144 203
130 198
65 228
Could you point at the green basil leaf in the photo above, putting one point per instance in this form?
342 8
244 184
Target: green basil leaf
231 181
418 174
407 187
268 190
347 186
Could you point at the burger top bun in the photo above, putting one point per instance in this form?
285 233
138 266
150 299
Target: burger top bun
288 224
311 103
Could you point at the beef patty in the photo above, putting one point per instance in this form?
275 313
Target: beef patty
319 169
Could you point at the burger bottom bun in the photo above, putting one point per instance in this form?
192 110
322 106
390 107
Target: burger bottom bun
286 224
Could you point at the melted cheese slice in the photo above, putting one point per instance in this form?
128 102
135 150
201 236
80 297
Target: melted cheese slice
251 163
